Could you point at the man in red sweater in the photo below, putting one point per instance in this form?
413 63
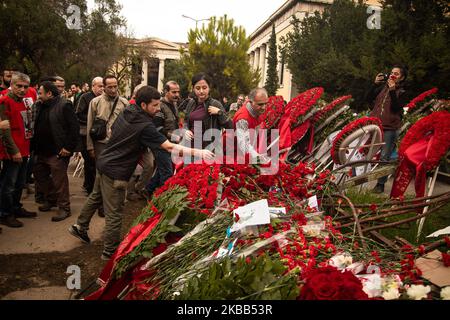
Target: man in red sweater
247 118
15 150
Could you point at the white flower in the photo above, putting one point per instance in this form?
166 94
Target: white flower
418 292
341 261
445 293
371 285
391 294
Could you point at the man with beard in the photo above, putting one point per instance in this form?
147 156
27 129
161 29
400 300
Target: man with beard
132 131
6 80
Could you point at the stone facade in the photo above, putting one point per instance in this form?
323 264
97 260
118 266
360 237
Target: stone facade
258 51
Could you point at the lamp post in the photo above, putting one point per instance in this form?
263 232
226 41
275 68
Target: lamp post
196 20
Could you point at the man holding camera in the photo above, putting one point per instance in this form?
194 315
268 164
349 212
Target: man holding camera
388 98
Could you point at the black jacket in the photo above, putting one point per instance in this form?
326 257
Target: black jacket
387 105
63 123
82 109
210 122
127 143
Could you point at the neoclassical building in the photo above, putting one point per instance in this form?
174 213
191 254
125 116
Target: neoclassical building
162 51
259 39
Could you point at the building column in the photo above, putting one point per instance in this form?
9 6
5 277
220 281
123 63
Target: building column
144 72
256 60
252 59
262 64
266 63
161 74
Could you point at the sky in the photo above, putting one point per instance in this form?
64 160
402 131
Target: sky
163 19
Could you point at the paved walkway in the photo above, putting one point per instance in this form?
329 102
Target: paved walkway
41 234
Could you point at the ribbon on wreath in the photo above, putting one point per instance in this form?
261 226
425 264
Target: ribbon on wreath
284 139
425 143
111 288
412 166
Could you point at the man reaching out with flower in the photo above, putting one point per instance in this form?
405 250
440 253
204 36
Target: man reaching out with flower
132 132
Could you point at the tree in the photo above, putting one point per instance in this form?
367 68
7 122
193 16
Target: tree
36 39
220 50
272 81
128 69
176 71
337 51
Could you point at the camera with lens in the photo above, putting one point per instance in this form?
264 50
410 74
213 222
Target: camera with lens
385 76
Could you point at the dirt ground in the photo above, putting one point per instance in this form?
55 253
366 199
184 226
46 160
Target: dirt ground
20 272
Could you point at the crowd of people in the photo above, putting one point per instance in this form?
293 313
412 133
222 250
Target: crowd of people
43 126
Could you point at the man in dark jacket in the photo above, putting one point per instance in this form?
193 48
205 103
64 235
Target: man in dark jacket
82 112
132 132
388 99
56 137
166 122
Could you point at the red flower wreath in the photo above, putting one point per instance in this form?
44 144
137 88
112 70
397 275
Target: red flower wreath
274 112
328 283
302 104
437 123
299 132
349 129
333 106
420 98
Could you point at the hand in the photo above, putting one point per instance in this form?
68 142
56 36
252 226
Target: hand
206 154
391 85
175 138
17 158
64 153
4 125
91 153
188 135
379 78
213 110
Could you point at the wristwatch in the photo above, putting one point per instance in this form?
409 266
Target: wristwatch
220 113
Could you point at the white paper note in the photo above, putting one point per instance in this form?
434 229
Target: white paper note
253 214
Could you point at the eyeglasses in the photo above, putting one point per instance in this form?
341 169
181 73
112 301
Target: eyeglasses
20 86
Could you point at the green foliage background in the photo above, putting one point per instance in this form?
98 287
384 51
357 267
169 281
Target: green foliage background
337 51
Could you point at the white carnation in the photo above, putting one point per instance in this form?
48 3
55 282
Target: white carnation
418 292
391 294
445 293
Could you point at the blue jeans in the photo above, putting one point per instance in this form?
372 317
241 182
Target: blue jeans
390 140
164 170
12 180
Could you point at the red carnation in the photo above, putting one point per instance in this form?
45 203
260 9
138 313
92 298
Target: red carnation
328 283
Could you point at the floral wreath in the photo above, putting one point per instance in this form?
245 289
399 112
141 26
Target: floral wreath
348 130
329 109
437 123
302 104
299 132
274 111
420 98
